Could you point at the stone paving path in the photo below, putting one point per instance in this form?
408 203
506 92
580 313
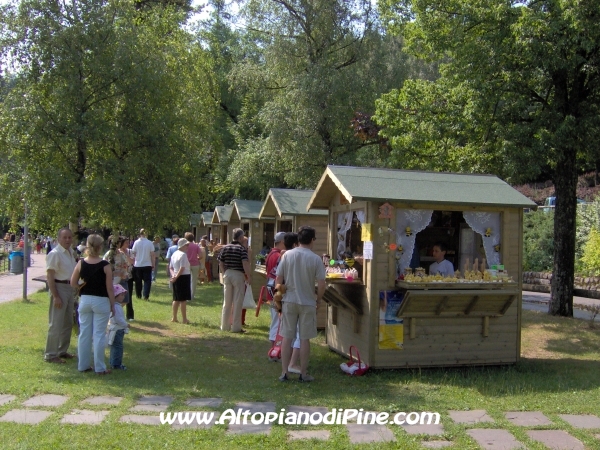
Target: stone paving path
11 286
147 408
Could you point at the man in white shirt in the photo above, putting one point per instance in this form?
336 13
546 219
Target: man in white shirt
60 264
143 252
441 265
299 269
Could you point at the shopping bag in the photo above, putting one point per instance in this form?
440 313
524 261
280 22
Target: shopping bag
248 299
353 367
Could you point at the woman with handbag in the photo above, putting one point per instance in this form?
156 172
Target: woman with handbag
95 306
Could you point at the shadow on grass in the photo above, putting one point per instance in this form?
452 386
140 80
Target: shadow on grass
201 361
236 368
528 377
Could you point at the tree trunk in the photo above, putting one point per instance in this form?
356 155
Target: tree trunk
563 271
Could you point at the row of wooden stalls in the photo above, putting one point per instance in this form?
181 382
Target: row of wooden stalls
282 210
389 220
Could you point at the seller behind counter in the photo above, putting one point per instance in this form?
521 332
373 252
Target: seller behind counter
441 265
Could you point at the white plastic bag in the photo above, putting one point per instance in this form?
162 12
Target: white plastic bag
249 299
350 369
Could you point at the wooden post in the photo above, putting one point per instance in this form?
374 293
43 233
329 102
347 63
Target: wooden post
486 326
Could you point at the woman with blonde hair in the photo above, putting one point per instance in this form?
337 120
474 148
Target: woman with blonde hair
96 303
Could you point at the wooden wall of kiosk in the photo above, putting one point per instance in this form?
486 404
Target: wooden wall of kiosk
438 341
255 232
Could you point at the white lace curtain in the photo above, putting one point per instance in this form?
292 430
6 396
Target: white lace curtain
360 215
487 224
417 220
344 224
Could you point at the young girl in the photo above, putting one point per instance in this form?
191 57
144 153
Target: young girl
117 328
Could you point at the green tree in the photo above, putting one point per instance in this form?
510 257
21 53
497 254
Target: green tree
531 72
538 241
109 116
591 253
310 66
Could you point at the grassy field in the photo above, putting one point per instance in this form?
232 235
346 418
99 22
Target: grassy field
558 374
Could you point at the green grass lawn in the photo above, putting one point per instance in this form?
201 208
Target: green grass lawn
558 374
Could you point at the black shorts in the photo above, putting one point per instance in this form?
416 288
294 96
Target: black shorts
182 288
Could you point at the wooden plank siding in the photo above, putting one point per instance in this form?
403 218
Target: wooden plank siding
321 226
256 244
439 341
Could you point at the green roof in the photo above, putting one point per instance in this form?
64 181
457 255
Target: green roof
435 188
207 217
246 209
289 202
222 214
195 219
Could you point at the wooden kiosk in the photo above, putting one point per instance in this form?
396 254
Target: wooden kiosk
201 224
206 226
220 221
289 207
393 218
258 230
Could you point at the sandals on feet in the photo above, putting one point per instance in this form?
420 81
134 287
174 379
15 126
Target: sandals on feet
104 372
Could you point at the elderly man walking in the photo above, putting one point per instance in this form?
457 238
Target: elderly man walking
299 269
235 267
60 264
143 265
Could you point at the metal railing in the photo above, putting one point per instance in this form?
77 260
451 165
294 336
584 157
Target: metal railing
5 249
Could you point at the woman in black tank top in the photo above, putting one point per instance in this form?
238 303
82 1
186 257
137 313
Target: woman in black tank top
95 306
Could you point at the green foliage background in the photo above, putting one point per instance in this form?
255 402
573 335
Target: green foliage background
538 241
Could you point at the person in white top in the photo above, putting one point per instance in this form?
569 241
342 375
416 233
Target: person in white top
60 264
181 279
299 269
143 252
441 265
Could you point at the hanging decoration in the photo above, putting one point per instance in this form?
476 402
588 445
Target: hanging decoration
385 211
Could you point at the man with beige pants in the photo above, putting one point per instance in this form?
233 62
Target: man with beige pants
60 264
235 267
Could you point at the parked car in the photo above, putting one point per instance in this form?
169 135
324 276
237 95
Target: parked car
550 203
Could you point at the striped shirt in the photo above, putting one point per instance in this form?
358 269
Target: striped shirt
232 256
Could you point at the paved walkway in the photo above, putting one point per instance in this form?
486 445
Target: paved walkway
147 411
538 301
11 286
